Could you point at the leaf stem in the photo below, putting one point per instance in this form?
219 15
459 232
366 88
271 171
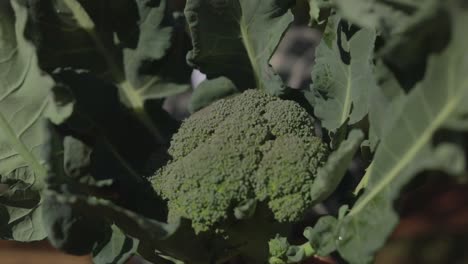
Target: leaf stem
364 181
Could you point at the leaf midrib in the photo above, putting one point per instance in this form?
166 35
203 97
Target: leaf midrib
250 51
347 103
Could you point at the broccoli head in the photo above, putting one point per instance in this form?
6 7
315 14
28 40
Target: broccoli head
249 147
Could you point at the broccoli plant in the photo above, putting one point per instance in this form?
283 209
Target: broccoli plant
251 152
93 161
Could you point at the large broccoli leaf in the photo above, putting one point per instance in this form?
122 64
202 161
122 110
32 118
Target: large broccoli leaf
137 57
406 148
389 95
23 99
342 75
237 38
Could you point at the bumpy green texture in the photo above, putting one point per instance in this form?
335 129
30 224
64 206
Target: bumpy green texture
249 147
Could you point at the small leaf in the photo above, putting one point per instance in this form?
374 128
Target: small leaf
343 75
209 91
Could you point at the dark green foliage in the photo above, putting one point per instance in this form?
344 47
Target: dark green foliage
71 230
99 130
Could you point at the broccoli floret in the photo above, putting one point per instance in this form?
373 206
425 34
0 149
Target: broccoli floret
281 252
286 172
251 146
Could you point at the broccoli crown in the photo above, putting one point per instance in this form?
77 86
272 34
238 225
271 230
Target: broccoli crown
250 146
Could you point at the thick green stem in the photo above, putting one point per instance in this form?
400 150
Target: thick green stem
365 179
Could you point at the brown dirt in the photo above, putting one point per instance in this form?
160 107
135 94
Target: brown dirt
36 253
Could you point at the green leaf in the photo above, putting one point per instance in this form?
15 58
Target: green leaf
237 38
23 99
406 147
343 75
209 91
